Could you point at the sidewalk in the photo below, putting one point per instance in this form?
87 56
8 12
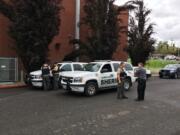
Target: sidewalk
12 85
155 74
22 84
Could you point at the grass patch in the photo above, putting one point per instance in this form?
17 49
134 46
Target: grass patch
156 65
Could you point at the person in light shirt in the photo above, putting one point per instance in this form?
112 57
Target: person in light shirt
120 79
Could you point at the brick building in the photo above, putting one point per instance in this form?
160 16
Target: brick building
73 11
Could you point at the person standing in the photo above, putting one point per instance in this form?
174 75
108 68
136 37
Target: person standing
141 75
46 71
55 73
120 79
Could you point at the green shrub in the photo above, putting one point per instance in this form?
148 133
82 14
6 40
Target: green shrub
159 63
156 65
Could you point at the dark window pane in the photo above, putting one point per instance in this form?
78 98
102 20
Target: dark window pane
78 67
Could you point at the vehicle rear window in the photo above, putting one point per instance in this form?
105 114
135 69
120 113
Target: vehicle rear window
78 67
66 67
92 67
128 67
171 66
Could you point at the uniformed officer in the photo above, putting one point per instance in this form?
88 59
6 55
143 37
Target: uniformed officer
141 75
55 74
46 71
120 79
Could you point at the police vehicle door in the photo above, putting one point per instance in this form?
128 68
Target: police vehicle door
107 78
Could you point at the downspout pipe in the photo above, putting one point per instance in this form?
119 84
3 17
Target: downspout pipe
77 21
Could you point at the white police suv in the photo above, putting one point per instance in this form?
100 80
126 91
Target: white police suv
96 76
35 77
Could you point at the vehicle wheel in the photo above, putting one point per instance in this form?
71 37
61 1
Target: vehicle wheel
127 84
59 83
160 76
176 76
90 89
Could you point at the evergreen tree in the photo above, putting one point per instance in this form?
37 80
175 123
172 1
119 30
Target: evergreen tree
163 47
140 33
34 25
101 18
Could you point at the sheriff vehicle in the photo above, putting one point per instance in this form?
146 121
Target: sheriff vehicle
96 76
35 78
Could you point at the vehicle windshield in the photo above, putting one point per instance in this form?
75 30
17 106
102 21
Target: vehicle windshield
92 67
170 66
128 67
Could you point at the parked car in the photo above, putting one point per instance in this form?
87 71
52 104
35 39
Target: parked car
148 72
35 78
170 57
98 75
170 71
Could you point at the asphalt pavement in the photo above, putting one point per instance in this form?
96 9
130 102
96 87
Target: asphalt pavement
26 111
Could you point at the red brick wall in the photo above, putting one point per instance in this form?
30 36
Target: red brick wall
6 43
67 31
119 54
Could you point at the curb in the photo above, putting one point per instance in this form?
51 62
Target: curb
155 75
9 86
20 85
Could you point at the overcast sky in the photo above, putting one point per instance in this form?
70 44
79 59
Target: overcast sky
166 15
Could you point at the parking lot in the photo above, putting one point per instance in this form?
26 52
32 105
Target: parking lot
28 111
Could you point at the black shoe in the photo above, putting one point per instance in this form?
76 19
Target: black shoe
124 97
137 100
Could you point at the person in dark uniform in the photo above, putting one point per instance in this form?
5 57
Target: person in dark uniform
46 71
120 79
141 75
55 74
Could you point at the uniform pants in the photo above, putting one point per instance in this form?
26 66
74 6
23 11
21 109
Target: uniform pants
46 82
55 81
120 90
141 89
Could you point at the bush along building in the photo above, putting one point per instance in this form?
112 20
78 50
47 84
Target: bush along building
71 16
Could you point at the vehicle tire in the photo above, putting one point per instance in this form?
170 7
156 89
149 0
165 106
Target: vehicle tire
148 76
90 89
127 84
176 76
172 76
160 76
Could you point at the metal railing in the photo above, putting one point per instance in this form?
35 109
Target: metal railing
8 69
